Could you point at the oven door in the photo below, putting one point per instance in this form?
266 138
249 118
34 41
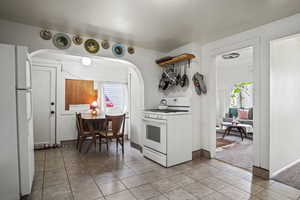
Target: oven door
155 134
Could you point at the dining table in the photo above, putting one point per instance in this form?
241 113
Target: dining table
94 124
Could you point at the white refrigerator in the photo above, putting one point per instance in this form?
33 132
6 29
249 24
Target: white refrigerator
16 138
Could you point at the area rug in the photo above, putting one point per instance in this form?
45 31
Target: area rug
223 142
239 153
290 176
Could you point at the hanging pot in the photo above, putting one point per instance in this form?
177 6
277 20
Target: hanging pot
164 81
184 79
178 77
172 78
161 83
166 85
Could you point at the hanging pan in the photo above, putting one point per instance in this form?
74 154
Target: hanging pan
164 82
184 79
178 77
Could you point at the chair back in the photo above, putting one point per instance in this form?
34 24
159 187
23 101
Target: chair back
79 123
117 122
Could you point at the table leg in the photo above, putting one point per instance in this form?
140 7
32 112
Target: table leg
94 138
240 129
244 131
225 132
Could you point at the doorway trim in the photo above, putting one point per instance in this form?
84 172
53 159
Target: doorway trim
257 137
43 66
137 140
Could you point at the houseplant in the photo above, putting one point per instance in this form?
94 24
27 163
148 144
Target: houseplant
238 93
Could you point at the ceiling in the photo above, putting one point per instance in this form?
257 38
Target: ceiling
161 25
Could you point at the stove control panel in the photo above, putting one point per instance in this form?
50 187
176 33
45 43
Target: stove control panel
154 116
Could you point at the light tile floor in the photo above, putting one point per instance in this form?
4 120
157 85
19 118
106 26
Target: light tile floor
64 173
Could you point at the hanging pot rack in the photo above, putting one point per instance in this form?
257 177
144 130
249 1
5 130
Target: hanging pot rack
176 59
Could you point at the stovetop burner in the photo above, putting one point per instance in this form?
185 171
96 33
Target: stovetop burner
166 110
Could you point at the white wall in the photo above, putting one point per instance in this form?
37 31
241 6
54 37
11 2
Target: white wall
229 73
96 72
143 59
284 104
20 34
190 91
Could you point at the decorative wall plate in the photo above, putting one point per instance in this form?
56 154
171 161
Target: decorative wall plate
130 50
61 41
105 44
77 39
91 45
46 34
118 50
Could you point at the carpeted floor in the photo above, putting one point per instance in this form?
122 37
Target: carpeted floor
223 142
290 176
239 153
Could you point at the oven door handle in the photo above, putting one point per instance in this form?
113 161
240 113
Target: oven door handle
162 121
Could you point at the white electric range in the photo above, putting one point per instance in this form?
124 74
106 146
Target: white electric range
168 132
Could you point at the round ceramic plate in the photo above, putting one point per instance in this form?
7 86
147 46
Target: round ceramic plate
118 50
77 40
61 41
105 44
130 50
46 35
92 46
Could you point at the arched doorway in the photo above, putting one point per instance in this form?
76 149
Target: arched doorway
54 59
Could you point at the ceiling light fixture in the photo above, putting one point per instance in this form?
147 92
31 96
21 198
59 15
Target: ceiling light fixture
230 56
86 61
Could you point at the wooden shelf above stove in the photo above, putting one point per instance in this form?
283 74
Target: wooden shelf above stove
177 59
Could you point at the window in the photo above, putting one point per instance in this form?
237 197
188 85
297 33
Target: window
79 93
115 97
242 95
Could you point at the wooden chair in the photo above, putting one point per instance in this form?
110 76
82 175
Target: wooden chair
114 129
78 116
83 134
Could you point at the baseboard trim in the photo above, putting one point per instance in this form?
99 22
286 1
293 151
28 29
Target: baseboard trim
196 154
284 168
136 146
261 172
26 197
201 153
205 154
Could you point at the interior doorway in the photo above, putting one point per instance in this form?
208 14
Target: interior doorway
44 106
284 109
234 107
114 85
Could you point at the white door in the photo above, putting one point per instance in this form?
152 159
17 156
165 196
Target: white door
44 105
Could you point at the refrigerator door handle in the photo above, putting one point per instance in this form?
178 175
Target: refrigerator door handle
31 106
29 72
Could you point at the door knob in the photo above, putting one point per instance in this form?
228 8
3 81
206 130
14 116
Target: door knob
52 112
52 103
